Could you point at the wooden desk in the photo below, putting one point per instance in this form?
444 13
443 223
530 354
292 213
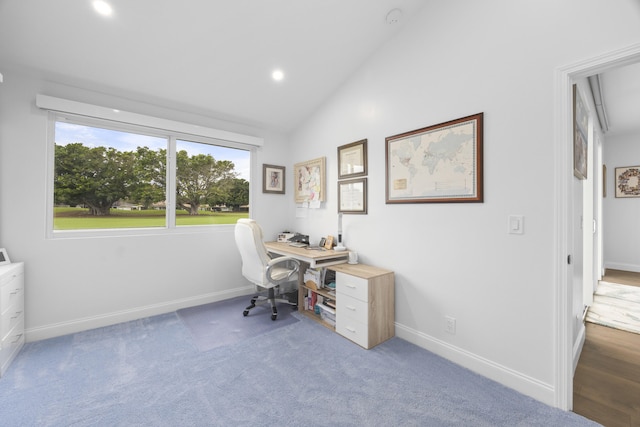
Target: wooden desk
314 258
364 295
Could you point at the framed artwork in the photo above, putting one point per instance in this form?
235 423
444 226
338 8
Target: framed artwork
628 182
580 126
273 179
328 242
352 196
4 257
309 178
352 159
436 164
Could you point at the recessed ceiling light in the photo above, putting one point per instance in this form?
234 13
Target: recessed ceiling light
277 75
102 7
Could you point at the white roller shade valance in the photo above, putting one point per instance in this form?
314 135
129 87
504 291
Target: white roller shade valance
67 106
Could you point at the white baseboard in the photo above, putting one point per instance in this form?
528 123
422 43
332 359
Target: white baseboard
77 325
496 372
622 266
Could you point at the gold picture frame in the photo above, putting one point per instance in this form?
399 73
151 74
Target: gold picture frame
310 181
580 141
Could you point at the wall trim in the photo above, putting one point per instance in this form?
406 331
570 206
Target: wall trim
578 345
92 322
622 266
506 376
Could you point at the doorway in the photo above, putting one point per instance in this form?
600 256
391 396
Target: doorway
570 330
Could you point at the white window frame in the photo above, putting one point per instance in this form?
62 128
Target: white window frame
91 115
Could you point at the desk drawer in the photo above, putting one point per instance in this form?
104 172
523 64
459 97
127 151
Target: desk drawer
352 308
352 286
353 330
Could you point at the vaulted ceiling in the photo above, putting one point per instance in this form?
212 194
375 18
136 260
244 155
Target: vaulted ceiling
216 57
211 57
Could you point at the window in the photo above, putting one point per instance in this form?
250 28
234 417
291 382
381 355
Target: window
112 176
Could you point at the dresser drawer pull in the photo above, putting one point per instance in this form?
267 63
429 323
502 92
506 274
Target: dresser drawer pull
350 286
17 338
15 292
350 329
350 307
17 314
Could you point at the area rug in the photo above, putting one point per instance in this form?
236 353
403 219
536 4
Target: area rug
222 323
616 306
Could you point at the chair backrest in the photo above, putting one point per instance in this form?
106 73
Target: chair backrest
255 256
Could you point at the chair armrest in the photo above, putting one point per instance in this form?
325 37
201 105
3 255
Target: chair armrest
286 262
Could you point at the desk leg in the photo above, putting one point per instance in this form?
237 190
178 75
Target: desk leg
302 292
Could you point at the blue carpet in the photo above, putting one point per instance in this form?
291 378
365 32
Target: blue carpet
222 323
149 372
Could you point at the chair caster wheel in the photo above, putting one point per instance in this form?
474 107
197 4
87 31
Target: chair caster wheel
274 316
245 313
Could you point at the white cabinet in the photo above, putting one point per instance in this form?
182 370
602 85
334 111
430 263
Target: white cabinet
11 313
365 303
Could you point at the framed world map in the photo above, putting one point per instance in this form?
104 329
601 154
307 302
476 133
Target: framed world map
436 164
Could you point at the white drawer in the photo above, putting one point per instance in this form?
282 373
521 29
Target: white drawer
11 317
353 330
10 346
10 292
352 286
352 308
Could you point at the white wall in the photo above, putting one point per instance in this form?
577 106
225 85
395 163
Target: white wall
76 284
457 59
621 230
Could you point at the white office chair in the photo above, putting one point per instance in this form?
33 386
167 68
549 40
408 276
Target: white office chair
260 269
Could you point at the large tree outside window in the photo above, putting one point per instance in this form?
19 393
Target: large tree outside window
106 178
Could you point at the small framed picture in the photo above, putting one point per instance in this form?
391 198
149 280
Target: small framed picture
4 257
352 159
628 181
352 196
328 242
273 179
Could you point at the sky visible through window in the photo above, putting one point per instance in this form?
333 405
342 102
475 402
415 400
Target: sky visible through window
67 133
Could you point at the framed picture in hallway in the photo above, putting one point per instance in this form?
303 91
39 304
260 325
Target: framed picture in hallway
628 182
580 126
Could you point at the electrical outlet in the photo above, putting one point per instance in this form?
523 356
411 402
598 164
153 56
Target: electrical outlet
450 325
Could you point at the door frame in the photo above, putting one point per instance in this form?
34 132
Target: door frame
563 178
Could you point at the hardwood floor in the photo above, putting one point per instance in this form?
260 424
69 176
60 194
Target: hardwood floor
606 384
623 277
